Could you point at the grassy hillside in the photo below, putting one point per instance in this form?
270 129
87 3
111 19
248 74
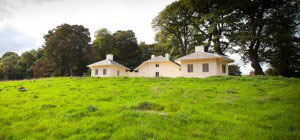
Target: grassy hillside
151 108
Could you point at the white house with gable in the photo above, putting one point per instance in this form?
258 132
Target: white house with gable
158 66
199 64
108 68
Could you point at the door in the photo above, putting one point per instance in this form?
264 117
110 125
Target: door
156 74
118 73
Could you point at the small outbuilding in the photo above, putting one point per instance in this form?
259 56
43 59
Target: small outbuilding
108 68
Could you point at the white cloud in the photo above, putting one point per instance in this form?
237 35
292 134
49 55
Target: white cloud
14 40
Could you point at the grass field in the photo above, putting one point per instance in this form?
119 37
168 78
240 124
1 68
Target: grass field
151 108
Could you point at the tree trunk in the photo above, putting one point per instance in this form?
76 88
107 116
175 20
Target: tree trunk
255 62
71 71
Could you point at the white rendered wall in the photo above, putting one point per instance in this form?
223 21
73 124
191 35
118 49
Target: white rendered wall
165 69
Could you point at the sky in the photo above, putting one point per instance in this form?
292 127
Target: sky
23 23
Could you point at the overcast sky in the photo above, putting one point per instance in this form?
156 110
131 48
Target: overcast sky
24 22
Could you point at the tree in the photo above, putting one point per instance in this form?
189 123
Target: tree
173 23
284 44
251 30
197 22
68 50
7 54
27 60
42 68
103 44
151 49
212 21
126 48
234 70
10 67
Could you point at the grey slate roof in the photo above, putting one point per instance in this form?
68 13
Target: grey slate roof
107 62
203 55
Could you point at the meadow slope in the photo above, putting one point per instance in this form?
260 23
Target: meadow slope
151 108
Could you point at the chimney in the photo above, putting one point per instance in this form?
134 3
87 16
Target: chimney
152 56
199 49
167 56
110 56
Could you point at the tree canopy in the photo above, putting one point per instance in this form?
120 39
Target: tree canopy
68 50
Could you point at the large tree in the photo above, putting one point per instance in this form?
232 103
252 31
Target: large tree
126 48
173 23
103 43
252 32
212 21
283 52
68 50
196 22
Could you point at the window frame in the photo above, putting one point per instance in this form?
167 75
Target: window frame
104 71
96 72
190 68
224 68
205 67
156 74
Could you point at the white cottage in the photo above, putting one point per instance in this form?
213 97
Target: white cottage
158 66
201 64
108 68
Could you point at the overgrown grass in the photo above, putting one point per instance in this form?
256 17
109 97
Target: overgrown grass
151 108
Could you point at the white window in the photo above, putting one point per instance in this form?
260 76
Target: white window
156 74
104 71
190 68
96 71
224 68
157 65
205 67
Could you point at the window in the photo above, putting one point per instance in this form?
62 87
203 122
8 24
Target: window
104 71
118 73
157 65
224 68
190 68
96 71
205 67
156 74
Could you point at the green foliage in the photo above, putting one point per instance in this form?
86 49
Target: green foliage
42 68
68 50
7 54
173 23
103 44
228 107
147 50
125 44
234 70
11 67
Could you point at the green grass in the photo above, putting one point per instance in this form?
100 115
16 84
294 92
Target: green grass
151 108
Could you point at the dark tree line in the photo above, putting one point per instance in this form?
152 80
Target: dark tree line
262 31
68 50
